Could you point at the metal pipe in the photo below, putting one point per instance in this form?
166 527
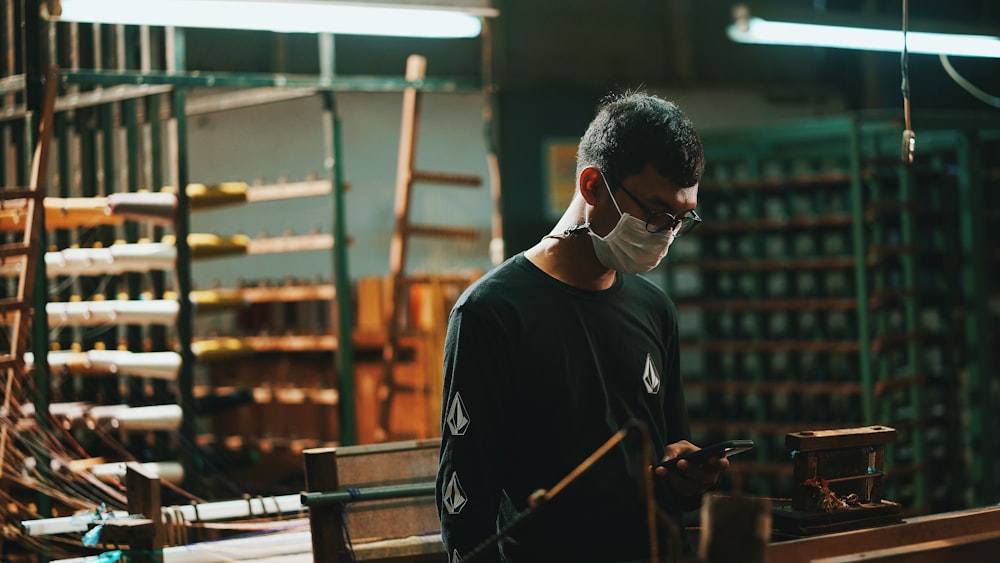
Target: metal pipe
373 493
230 80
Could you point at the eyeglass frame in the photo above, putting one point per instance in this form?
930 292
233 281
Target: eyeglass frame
691 215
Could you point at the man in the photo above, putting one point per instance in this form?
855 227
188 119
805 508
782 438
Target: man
553 352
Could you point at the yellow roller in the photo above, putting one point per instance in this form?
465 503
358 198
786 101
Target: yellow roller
206 300
216 195
207 245
219 349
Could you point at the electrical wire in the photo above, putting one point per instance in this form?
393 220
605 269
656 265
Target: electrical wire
969 87
909 137
904 63
115 444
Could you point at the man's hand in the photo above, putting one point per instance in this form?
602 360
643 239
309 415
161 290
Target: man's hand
689 479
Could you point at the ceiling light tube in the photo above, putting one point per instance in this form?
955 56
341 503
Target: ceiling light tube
399 19
764 32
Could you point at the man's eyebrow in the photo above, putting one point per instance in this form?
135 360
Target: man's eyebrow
661 205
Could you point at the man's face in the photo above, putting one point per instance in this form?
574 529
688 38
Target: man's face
650 197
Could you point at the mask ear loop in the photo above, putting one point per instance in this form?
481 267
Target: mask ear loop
608 186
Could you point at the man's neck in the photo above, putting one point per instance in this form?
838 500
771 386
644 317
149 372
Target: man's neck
569 257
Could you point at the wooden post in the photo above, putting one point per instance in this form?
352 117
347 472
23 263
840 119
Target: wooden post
144 536
734 528
326 523
138 534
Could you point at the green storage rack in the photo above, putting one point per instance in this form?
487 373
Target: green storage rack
833 286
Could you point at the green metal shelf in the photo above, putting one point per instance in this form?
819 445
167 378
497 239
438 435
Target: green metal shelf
130 129
202 79
819 218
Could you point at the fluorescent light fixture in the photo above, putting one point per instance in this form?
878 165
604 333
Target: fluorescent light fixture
400 19
760 31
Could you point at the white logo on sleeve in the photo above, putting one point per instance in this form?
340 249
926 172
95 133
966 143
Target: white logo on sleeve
458 418
650 378
455 557
454 496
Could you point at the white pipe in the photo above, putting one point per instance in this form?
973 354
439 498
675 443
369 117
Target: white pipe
166 470
78 261
77 523
104 412
156 417
159 365
155 365
249 508
206 512
71 410
115 259
90 313
239 549
144 256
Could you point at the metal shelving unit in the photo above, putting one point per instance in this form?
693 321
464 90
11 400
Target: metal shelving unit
833 286
122 127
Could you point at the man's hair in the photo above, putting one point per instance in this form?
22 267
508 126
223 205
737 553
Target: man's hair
634 129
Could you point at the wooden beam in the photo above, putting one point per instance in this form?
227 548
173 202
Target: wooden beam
915 530
326 523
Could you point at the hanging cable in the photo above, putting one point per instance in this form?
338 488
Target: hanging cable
969 87
909 137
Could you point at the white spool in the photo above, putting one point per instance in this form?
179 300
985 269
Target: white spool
156 365
238 549
203 512
171 471
156 417
143 257
90 313
116 259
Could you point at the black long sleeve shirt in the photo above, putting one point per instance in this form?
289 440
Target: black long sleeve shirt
537 376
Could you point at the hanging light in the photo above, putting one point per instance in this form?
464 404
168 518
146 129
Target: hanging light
401 18
746 29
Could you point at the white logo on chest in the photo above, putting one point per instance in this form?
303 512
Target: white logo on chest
650 378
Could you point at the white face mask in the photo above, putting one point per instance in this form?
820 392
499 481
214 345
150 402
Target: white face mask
629 248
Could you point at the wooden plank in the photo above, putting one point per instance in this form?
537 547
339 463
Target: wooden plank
289 190
19 192
292 343
830 346
447 178
912 531
17 250
277 245
395 463
774 387
456 233
770 305
320 292
812 440
982 548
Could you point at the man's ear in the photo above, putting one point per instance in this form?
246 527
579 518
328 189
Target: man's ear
592 185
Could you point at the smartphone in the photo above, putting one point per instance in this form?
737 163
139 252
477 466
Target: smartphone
720 450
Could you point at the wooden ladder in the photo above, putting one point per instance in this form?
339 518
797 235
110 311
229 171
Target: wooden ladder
407 178
23 250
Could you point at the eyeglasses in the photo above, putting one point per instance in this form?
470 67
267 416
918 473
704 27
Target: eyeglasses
659 221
